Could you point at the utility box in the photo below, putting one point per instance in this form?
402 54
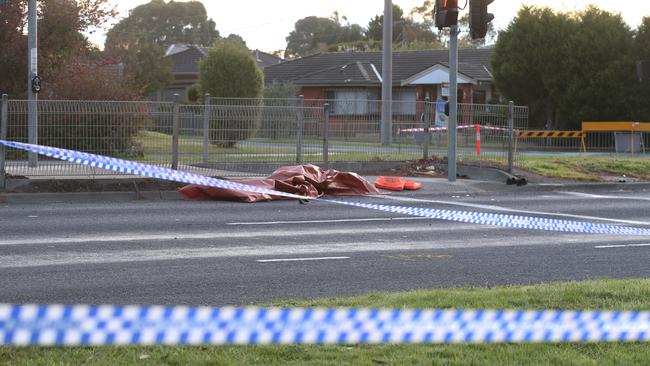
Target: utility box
628 142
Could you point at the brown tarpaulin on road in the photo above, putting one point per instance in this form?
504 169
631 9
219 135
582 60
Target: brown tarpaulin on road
305 180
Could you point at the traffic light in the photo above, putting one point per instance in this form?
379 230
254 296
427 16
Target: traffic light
479 18
446 13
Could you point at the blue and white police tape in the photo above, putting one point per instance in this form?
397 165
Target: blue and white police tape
503 220
482 218
45 325
135 168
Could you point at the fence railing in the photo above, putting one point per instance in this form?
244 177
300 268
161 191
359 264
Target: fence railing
233 137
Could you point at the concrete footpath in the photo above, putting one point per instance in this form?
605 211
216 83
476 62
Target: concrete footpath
130 188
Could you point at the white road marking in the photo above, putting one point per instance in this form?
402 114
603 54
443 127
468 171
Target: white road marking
220 235
326 221
83 256
511 210
300 259
589 195
622 246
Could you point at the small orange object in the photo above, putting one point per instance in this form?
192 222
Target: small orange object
390 183
412 185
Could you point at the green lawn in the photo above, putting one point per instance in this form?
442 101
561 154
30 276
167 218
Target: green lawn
599 294
587 168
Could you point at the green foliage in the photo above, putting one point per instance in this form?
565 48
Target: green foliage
194 93
165 23
641 91
229 70
60 38
140 39
284 90
314 34
568 67
146 65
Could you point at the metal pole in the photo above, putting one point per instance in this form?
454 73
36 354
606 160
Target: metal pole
511 134
326 136
4 120
453 102
175 132
427 127
300 113
206 128
32 62
387 77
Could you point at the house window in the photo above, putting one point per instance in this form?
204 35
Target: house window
404 102
352 102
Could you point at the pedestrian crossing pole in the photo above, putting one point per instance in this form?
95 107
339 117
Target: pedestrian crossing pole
32 77
453 102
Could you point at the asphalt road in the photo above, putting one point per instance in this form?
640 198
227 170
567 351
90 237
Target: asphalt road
116 250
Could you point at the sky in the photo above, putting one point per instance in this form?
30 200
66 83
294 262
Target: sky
265 24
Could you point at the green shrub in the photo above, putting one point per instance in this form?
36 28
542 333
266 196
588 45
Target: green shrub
106 128
230 71
194 93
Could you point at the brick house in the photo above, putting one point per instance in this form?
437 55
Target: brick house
416 75
185 67
351 82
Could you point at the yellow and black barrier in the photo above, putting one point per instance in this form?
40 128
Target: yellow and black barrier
551 134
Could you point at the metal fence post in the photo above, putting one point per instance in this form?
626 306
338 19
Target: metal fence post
300 113
206 128
4 120
511 134
326 136
427 127
175 132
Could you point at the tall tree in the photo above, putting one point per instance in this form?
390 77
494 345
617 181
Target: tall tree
60 38
164 24
568 67
601 60
314 34
407 32
641 92
140 39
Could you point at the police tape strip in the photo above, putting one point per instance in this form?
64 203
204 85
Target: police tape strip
482 218
47 325
461 127
23 325
141 169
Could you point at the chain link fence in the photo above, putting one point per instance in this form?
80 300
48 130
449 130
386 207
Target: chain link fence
243 137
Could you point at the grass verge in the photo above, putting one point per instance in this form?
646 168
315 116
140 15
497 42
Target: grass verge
587 168
598 294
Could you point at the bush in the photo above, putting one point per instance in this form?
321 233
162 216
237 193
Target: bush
106 128
230 71
194 93
280 113
86 111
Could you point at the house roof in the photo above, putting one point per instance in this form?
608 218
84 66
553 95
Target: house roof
321 69
186 57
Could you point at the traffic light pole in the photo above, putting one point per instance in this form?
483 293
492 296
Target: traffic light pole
32 71
387 77
453 102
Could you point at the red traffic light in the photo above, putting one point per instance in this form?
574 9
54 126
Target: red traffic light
446 13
